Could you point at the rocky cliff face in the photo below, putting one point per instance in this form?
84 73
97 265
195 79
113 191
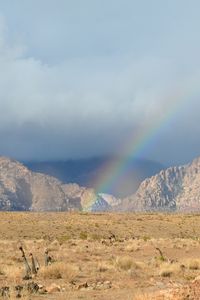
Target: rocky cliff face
21 189
174 189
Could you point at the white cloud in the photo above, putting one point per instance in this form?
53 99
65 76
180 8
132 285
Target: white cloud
105 84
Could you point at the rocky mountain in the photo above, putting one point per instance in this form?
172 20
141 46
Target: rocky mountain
173 189
86 172
110 199
86 198
22 189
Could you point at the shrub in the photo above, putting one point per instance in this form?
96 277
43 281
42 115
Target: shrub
125 263
83 235
58 271
194 264
167 269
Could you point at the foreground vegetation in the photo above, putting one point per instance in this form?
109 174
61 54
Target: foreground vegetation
101 256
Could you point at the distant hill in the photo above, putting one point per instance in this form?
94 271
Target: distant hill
86 171
173 189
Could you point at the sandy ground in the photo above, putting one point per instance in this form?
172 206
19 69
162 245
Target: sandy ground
101 256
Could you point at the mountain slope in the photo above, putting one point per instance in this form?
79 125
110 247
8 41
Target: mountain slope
173 189
86 172
176 189
23 190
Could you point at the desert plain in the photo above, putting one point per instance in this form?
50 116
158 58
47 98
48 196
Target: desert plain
102 256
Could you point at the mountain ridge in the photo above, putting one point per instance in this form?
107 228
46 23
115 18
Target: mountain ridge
86 172
24 190
173 189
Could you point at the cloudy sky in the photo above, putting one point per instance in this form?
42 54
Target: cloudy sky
80 78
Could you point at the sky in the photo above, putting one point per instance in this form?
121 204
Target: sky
78 78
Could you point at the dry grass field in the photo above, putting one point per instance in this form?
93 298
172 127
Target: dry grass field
102 256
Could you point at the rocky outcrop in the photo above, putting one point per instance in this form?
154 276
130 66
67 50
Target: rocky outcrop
173 189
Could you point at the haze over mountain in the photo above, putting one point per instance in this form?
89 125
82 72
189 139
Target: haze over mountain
86 172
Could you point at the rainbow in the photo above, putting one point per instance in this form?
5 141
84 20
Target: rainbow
139 141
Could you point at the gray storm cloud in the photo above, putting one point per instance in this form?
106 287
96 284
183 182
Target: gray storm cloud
87 98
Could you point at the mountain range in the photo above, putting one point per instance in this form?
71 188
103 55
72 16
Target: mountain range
24 190
173 189
86 172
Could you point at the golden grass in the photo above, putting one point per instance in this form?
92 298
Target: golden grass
193 264
126 263
104 267
74 240
59 270
133 247
13 273
168 269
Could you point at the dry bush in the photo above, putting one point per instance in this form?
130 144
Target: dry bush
193 264
103 267
83 235
132 247
126 263
58 271
168 270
